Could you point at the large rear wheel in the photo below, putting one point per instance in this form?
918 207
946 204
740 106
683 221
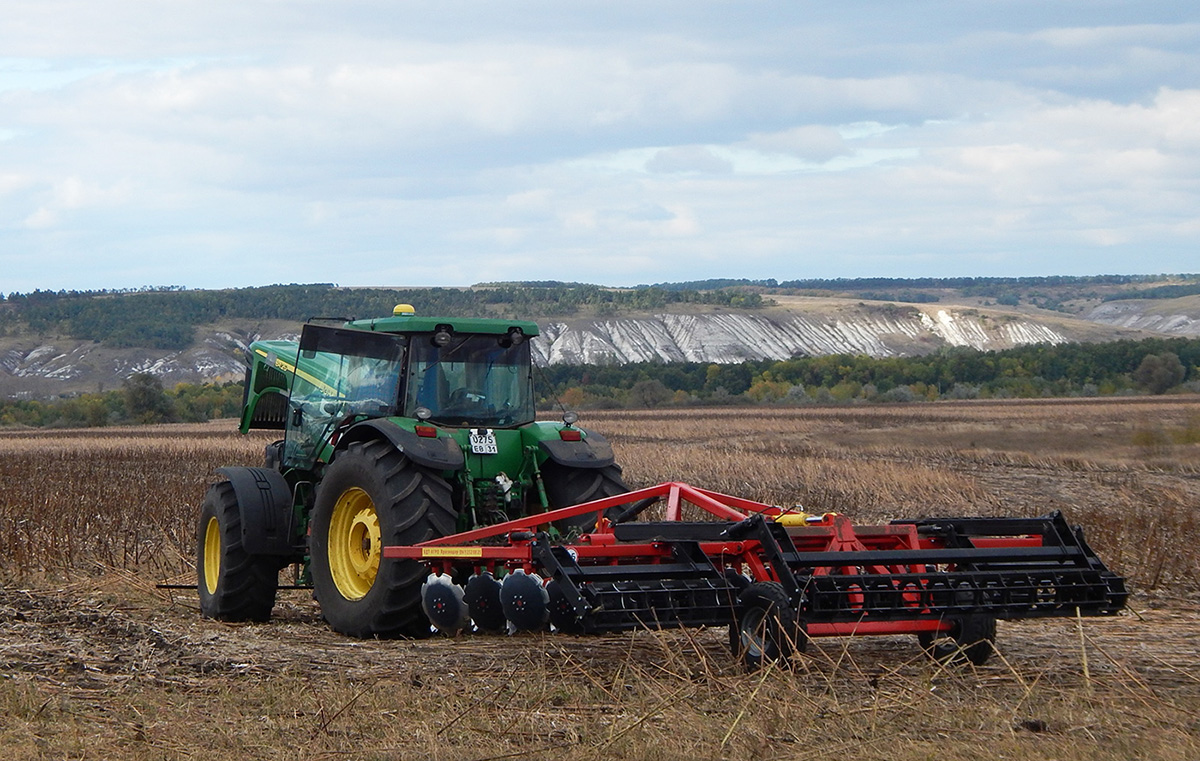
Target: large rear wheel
234 585
373 496
566 486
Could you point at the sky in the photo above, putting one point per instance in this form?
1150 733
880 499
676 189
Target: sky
221 144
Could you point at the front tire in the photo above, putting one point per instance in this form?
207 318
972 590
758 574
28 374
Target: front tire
234 585
373 496
567 486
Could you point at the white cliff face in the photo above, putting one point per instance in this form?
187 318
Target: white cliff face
735 337
47 361
1145 315
86 366
711 337
193 365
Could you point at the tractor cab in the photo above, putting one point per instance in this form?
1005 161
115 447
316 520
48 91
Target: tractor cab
453 373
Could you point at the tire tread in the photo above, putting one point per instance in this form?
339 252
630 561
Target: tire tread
246 584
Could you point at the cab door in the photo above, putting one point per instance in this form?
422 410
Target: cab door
340 374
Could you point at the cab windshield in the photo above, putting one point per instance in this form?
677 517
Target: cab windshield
475 380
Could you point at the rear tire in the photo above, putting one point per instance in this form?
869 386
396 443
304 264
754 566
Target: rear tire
373 496
234 585
767 628
567 486
971 638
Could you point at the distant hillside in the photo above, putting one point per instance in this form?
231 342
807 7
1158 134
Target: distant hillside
167 318
65 343
1046 291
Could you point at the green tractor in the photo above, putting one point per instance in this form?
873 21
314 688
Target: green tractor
397 430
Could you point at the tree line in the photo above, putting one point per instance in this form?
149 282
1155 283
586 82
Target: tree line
168 318
1041 370
140 400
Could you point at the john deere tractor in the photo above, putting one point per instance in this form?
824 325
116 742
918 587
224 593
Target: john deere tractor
396 431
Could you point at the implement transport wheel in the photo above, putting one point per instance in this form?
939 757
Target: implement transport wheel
234 585
971 638
566 486
373 496
767 628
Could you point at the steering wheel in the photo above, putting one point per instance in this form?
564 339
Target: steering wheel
466 399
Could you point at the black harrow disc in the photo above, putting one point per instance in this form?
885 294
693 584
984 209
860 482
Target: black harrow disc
525 601
442 601
483 602
562 613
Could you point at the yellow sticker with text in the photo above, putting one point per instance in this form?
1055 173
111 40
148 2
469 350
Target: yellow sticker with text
451 552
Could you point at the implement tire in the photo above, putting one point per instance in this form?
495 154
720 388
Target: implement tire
972 638
767 628
233 585
373 496
567 486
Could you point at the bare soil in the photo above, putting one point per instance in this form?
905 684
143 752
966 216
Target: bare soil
133 672
96 662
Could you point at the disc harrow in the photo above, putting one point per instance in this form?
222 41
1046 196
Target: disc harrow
775 576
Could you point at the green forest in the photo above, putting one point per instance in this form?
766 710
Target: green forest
1064 293
140 400
1104 369
1153 366
166 318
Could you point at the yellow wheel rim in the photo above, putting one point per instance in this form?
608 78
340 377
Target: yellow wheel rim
212 555
354 544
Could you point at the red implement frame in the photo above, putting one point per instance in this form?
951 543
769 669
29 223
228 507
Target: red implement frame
829 533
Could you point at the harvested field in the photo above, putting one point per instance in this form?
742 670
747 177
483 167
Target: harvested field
98 663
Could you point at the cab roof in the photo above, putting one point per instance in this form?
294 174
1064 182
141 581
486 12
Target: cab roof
412 323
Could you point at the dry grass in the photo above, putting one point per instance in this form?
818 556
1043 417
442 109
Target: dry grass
100 664
1138 506
117 675
126 498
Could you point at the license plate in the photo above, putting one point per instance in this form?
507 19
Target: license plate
483 441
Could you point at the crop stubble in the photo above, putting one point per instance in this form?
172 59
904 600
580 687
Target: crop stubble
98 663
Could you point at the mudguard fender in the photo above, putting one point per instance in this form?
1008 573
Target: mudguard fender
265 503
593 451
442 453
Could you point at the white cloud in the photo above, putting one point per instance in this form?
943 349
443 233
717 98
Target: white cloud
450 144
688 158
1129 34
809 142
